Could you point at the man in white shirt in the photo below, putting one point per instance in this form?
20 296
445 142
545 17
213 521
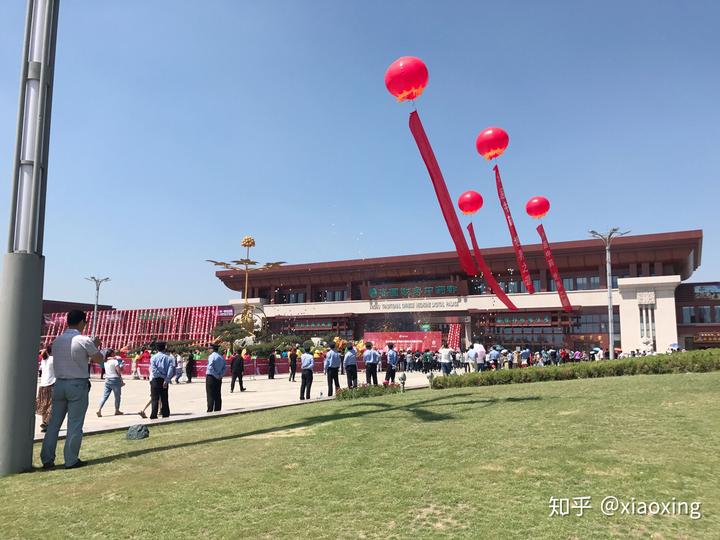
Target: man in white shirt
480 357
445 359
71 353
113 382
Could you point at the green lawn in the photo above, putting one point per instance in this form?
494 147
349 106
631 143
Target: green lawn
463 463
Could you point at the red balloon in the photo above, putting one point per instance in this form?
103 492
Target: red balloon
470 202
406 78
537 207
492 142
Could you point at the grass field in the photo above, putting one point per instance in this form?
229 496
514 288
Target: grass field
463 463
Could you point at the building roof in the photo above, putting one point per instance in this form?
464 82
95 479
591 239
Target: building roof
683 248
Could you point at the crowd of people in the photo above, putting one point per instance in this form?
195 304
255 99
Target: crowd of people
65 373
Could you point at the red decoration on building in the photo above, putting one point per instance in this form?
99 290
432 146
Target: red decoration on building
406 78
537 207
470 202
492 142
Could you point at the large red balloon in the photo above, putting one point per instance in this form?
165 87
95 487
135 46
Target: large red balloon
470 202
537 207
406 78
492 142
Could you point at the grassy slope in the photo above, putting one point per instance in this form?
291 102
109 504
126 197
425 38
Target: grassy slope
465 463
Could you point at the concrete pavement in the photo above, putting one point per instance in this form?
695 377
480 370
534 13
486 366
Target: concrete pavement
187 401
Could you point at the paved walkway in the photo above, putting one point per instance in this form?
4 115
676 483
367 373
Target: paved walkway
187 401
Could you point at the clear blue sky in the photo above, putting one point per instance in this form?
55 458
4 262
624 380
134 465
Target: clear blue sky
179 127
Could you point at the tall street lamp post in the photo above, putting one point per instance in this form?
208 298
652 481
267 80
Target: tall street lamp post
97 282
607 239
23 265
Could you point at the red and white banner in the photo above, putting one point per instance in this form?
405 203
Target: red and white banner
414 341
553 269
519 254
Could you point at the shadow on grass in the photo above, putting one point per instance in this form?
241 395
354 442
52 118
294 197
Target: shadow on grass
420 410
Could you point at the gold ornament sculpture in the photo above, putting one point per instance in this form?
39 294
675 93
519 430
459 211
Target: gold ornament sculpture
246 317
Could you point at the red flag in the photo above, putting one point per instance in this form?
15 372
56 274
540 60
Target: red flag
519 255
485 269
443 197
553 269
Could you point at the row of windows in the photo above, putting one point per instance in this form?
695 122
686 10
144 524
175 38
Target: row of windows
700 314
478 286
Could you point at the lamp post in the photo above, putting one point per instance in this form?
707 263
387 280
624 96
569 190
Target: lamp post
23 263
97 282
607 239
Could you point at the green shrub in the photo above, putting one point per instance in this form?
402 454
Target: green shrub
688 362
366 390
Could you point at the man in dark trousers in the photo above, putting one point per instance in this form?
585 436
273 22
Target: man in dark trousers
350 363
237 366
306 364
292 359
271 364
371 359
392 361
332 367
213 379
162 368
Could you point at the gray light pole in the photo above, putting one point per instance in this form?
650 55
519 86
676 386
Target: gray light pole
23 264
98 282
607 239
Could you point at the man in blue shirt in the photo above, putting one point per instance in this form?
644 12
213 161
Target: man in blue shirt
161 371
213 379
371 359
350 363
392 360
332 367
493 356
306 365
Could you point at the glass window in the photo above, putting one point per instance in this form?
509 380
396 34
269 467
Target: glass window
717 314
536 285
582 283
594 282
292 298
703 314
569 283
688 315
512 286
615 282
551 285
502 285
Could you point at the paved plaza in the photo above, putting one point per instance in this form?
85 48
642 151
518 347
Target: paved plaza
187 401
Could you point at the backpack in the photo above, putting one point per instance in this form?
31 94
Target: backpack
137 432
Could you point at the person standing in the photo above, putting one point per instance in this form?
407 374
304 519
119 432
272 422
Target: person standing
481 355
113 382
71 353
292 359
213 379
332 367
471 357
190 367
409 361
178 367
392 362
237 366
306 365
43 403
350 364
271 364
445 359
161 372
371 358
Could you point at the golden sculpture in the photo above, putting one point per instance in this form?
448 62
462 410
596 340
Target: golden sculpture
246 317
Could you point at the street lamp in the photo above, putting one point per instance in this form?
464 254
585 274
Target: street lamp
607 239
97 282
23 264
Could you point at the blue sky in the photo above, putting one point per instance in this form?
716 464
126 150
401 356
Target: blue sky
178 127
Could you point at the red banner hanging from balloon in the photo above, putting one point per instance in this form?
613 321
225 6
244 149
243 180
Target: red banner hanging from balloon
553 269
443 197
487 274
519 255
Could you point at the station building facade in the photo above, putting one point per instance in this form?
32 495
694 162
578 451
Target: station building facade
653 308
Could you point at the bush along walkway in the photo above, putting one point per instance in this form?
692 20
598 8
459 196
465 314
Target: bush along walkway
687 362
366 390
